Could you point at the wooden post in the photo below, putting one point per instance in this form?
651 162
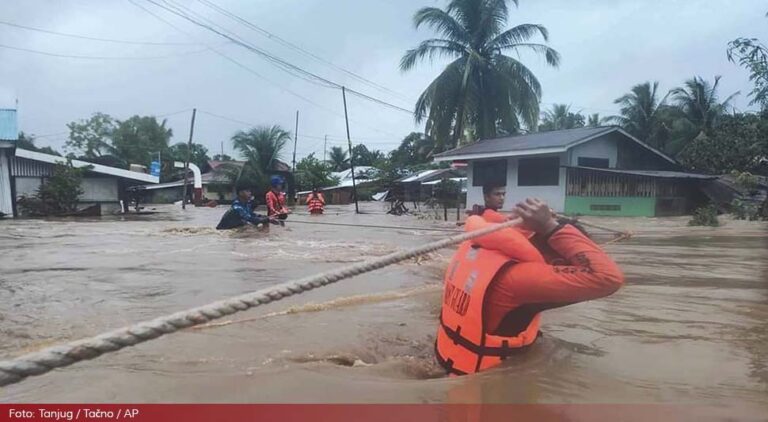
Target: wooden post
351 156
186 164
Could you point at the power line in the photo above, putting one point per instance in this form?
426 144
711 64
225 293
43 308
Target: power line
71 56
285 65
295 47
110 40
330 138
244 67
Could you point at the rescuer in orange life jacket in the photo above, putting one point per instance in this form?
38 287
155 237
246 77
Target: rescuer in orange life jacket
497 285
315 201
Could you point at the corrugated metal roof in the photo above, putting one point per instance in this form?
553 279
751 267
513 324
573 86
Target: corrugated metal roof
554 140
96 168
9 129
651 173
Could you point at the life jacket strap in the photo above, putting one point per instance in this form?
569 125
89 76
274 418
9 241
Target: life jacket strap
502 352
447 364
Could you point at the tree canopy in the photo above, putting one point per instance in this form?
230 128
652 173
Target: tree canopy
482 91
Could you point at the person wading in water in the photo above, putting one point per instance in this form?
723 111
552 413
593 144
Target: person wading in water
242 213
315 201
276 199
497 285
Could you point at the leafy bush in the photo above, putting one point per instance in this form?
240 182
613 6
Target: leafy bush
705 216
745 210
58 194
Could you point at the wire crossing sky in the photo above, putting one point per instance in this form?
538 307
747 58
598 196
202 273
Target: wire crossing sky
64 61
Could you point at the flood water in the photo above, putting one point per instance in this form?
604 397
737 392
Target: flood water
690 326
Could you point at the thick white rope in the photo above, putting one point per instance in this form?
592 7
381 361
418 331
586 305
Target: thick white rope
46 360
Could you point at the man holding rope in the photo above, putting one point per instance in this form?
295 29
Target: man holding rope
497 285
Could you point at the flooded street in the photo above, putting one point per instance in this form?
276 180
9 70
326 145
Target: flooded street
690 326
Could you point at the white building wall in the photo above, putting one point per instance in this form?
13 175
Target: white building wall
99 189
6 201
604 147
27 186
552 195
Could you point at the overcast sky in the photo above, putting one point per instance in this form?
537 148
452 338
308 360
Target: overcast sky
606 47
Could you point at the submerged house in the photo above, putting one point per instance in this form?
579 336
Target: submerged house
588 171
22 172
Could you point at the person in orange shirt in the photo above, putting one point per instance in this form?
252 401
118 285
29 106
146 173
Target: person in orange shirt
276 203
316 201
497 285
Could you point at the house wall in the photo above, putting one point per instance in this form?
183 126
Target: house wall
99 189
603 147
6 198
627 206
27 186
552 195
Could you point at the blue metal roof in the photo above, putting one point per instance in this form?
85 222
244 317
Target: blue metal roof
9 129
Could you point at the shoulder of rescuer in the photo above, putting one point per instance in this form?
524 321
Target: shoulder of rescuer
496 286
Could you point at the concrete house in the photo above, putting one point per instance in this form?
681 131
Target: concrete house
588 171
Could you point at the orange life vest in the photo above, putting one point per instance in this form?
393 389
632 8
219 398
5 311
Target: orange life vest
316 203
463 345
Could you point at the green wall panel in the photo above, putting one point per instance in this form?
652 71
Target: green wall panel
627 206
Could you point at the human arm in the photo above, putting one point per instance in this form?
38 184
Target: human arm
588 272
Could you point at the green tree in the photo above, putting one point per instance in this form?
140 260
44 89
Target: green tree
482 91
27 142
739 143
752 55
91 137
560 117
58 194
222 157
594 120
311 173
199 155
261 147
641 110
338 159
699 103
416 148
365 157
139 139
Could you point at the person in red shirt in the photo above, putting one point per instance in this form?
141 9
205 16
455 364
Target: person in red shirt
497 285
276 202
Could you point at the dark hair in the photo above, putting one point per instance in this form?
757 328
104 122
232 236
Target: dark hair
487 189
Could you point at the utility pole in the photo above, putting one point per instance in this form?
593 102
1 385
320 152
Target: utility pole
351 156
325 147
222 149
186 164
295 140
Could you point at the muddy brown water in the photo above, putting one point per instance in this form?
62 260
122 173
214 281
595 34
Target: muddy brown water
690 326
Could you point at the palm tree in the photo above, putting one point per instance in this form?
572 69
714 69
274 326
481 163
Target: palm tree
261 146
482 91
338 159
560 117
699 103
641 113
594 120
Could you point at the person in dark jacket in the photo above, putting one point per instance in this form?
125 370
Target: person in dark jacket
242 213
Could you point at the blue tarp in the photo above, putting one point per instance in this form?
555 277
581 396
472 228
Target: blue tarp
9 129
